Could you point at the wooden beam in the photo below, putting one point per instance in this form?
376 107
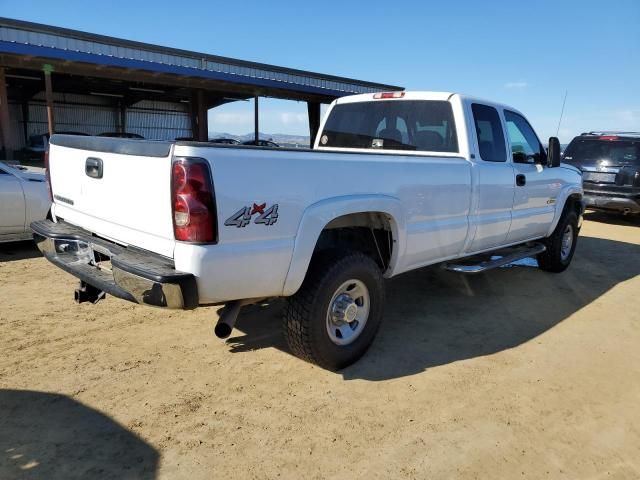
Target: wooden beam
48 93
193 115
201 112
122 113
25 120
7 133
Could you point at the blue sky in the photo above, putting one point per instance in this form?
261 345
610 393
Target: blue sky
525 54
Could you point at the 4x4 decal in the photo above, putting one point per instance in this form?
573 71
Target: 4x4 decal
242 218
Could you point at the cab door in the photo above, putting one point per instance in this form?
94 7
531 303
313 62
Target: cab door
12 207
536 186
493 180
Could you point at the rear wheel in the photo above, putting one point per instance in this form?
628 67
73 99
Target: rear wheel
561 245
332 320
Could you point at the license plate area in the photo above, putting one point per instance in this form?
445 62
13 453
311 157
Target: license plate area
81 252
101 258
599 177
102 262
75 251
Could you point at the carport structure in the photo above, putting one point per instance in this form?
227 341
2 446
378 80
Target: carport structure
56 79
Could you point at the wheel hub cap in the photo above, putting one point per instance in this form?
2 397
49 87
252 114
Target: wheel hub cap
348 312
344 309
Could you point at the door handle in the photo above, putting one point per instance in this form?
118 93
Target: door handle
521 180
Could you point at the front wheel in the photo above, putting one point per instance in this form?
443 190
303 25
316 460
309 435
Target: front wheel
332 320
561 244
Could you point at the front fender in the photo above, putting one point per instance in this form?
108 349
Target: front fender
318 215
561 201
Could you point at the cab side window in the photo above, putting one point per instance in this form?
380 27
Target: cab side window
525 146
490 134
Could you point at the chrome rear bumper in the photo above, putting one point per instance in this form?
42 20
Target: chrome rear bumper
135 275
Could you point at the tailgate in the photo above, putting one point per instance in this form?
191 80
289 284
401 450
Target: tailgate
125 196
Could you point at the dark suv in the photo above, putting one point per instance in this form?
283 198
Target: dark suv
610 165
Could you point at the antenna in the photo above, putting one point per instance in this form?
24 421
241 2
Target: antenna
566 92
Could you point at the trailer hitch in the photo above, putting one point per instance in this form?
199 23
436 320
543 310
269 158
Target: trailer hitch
88 293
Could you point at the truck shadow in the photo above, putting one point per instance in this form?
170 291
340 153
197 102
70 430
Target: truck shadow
434 317
44 435
12 251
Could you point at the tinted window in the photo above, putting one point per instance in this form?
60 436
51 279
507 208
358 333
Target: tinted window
525 145
421 125
617 152
490 134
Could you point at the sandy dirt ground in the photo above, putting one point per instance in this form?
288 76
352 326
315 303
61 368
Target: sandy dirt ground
515 373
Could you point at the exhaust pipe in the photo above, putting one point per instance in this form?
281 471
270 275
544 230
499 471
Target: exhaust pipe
227 318
228 315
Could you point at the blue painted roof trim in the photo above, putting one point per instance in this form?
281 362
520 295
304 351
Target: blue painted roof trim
58 54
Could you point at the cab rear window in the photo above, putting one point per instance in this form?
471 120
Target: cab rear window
418 125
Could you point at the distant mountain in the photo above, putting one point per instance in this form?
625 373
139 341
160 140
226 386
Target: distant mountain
279 138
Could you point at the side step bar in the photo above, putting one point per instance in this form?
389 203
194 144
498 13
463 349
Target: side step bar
498 262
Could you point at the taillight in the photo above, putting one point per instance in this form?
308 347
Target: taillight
608 137
382 95
194 216
48 174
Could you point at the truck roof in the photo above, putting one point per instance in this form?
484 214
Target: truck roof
406 95
422 95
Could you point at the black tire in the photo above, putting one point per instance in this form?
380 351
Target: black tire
554 259
305 318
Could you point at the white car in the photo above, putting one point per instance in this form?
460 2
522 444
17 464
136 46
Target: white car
395 181
24 198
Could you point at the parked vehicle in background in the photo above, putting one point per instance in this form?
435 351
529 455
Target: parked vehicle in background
262 143
610 166
225 141
122 135
38 145
24 198
396 181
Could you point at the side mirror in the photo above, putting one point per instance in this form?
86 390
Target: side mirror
553 156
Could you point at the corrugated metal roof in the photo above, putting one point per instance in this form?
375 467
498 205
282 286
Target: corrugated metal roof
20 37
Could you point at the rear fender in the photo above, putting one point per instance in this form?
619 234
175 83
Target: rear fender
317 216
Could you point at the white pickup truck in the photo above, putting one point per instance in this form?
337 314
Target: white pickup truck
395 181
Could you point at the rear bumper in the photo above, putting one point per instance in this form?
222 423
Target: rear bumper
134 275
628 202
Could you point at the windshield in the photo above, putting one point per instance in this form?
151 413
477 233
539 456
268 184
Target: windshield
616 152
420 125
